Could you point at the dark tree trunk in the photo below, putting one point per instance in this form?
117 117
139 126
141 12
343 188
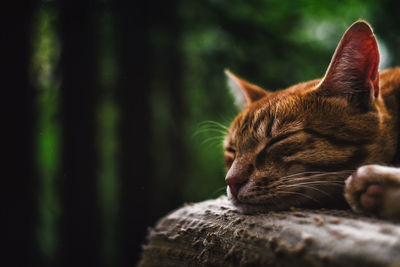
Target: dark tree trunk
80 222
20 178
133 90
170 26
138 67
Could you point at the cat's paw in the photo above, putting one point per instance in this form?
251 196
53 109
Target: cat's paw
375 189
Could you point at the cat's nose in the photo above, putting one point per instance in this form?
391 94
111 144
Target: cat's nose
236 178
234 184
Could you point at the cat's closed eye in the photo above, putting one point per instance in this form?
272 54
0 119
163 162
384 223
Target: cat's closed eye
230 154
276 140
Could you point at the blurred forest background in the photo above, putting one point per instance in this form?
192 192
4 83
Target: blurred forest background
106 103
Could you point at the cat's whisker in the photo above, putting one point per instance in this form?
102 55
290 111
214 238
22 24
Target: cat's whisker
212 126
214 123
297 193
295 174
216 131
319 174
314 178
215 139
319 185
212 144
310 187
218 191
300 173
209 130
336 172
313 182
318 182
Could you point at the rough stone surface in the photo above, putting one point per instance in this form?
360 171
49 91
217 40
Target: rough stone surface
212 233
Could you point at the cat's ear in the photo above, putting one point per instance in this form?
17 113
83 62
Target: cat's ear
353 71
244 92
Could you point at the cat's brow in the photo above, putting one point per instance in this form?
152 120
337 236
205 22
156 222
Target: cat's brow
279 138
330 138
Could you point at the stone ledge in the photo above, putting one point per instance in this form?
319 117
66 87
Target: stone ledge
212 233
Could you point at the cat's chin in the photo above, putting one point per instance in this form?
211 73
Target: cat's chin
284 204
246 208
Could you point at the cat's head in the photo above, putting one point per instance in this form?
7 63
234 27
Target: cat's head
295 147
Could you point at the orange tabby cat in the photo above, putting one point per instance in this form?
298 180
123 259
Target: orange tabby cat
305 145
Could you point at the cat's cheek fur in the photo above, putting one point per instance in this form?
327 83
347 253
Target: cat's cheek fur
375 189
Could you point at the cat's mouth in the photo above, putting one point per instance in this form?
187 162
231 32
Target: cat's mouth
247 208
251 208
311 192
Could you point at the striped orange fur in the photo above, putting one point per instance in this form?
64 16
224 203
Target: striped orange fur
297 147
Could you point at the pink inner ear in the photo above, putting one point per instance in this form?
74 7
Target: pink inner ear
373 74
354 66
369 51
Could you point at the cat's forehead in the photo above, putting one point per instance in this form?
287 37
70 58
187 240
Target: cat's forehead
270 117
266 115
282 107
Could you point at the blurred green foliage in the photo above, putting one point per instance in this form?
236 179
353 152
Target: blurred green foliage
45 55
271 43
